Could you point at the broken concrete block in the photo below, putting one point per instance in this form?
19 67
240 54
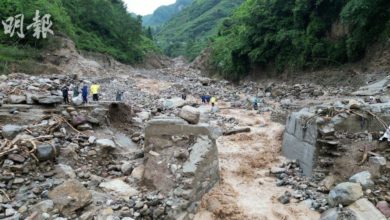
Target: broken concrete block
345 194
187 161
296 149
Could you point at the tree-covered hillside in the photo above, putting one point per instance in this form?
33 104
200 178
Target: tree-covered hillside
298 34
94 25
188 33
162 14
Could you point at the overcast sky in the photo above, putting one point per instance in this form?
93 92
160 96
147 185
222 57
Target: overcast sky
144 7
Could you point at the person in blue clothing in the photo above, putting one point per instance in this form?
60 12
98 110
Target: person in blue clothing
208 98
205 99
84 93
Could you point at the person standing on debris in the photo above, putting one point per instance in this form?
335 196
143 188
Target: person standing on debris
203 97
255 103
207 97
119 95
65 94
213 100
76 91
84 93
95 91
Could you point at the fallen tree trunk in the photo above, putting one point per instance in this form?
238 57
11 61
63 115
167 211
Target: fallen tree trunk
236 131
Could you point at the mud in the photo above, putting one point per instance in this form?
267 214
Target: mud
246 190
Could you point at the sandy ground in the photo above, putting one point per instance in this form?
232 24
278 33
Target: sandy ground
246 190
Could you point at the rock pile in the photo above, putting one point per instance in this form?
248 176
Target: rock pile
18 88
323 196
71 163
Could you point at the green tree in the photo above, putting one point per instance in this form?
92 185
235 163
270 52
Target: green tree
296 34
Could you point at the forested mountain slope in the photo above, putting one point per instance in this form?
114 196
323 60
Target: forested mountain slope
296 34
94 25
188 33
164 13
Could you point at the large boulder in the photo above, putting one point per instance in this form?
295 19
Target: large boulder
345 194
175 102
190 114
363 209
70 197
16 99
98 116
364 178
10 131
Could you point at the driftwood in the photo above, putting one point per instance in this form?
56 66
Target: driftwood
365 156
236 131
28 146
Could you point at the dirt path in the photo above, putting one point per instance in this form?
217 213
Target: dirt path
246 190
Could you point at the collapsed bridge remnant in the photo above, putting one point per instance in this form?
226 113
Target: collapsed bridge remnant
321 137
180 160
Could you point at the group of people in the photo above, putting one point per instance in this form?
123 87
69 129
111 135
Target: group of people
94 89
206 99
